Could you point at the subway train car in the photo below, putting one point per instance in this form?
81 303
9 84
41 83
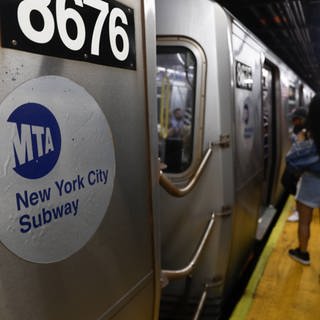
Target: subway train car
78 171
224 102
141 148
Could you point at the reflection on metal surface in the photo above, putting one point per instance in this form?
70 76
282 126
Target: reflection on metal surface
176 274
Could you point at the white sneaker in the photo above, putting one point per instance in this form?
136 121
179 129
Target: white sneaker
294 217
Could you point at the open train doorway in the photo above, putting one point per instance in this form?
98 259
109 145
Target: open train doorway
269 76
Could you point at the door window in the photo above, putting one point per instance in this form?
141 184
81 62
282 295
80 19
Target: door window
176 76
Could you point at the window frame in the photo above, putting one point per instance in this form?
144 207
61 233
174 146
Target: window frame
181 178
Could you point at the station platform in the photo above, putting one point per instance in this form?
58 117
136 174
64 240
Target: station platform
281 288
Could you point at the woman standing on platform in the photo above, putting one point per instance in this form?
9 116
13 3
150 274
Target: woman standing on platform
298 119
304 155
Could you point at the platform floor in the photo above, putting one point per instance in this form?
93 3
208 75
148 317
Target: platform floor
281 288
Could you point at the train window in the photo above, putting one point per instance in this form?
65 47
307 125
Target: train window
292 102
176 75
292 93
301 95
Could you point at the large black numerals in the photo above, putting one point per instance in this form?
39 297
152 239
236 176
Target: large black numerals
24 14
63 15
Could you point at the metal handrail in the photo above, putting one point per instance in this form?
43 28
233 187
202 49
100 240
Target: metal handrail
172 189
176 274
201 304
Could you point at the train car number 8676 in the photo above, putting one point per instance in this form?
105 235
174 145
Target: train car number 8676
94 30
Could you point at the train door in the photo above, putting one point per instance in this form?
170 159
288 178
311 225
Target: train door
192 146
77 163
183 218
269 145
248 126
248 149
194 128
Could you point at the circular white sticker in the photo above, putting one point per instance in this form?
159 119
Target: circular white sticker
57 167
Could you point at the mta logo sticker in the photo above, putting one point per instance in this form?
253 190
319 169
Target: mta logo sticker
36 142
57 168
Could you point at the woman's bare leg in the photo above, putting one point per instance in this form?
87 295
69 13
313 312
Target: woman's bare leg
305 217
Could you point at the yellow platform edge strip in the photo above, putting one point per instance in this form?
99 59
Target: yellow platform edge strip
243 306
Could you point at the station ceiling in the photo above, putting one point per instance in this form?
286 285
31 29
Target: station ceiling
291 29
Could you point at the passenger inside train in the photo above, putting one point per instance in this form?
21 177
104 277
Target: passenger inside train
175 83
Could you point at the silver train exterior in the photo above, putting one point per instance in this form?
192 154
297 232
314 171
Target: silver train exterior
87 231
99 261
221 195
